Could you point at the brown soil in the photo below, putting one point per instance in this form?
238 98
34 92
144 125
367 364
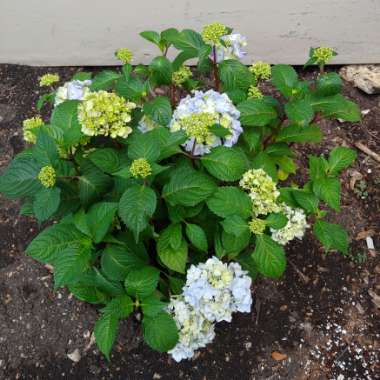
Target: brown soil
321 319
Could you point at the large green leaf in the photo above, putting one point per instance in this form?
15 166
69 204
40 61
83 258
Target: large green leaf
235 225
188 188
226 164
328 189
256 113
152 306
142 282
197 237
269 257
107 159
105 333
99 219
306 200
299 111
340 158
233 244
104 80
329 84
234 75
188 39
228 200
162 70
120 307
332 236
46 203
136 207
49 244
160 332
285 78
20 178
159 110
143 145
297 133
117 261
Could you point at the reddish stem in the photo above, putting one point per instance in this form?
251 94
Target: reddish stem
216 73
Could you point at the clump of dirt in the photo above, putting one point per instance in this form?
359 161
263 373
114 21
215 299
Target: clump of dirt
320 321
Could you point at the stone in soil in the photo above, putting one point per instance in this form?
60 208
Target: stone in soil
365 77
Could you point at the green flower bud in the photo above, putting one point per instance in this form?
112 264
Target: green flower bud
181 75
124 55
254 92
212 33
140 168
257 226
323 54
30 127
261 70
47 176
48 79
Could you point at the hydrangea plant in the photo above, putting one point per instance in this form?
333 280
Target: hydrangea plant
170 189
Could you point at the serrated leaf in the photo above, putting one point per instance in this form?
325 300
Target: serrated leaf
105 333
160 332
285 78
142 282
235 225
197 237
256 113
232 244
143 145
162 70
306 200
46 203
136 207
269 257
174 232
328 189
234 75
318 167
120 307
188 188
151 36
296 133
99 219
159 110
329 84
106 159
299 111
104 80
332 236
340 158
276 221
152 306
227 201
226 164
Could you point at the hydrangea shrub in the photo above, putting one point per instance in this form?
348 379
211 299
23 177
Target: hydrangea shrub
170 189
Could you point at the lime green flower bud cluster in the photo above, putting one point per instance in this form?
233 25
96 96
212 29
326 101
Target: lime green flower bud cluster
105 113
48 79
30 127
261 70
47 176
323 54
181 75
257 226
254 92
140 168
262 191
198 125
212 33
124 55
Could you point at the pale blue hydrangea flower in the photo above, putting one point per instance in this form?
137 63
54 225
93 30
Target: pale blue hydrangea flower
234 49
74 90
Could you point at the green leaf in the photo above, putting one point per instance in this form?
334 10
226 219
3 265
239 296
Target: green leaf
233 244
265 162
92 183
269 257
99 219
117 261
20 178
70 264
46 203
197 237
143 145
337 107
256 113
306 200
226 164
88 294
188 39
332 236
106 159
162 70
142 282
65 117
299 111
49 244
80 222
104 80
151 36
340 158
285 79
252 138
82 75
219 131
174 232
159 110
329 84
160 332
235 225
152 306
188 188
105 333
120 307
174 259
45 151
276 221
136 207
132 89
227 201
318 167
234 75
328 189
296 133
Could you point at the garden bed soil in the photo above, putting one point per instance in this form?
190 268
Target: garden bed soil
320 321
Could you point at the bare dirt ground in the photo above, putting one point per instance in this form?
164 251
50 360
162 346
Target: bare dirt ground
321 321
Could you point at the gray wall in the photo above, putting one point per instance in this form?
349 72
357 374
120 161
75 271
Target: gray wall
87 32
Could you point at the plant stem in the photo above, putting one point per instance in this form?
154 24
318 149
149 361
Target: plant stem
216 73
172 95
76 177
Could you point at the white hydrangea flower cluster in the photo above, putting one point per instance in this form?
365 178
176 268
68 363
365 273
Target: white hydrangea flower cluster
234 49
74 90
295 228
213 291
196 114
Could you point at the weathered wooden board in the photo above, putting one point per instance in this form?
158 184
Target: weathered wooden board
87 32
